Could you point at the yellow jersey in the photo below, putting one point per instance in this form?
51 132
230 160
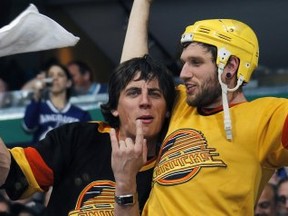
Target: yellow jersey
199 172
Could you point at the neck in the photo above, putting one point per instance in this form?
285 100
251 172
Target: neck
151 149
233 98
236 97
59 100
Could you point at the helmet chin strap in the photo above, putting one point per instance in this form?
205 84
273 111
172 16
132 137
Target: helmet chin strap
225 90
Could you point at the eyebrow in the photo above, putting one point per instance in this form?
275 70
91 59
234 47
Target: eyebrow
149 89
155 89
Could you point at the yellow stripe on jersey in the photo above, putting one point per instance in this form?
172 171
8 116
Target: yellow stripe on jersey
19 156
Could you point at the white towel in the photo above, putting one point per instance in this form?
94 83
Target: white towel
31 31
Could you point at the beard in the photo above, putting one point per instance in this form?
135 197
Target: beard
208 93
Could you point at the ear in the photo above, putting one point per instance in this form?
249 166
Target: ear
231 67
115 113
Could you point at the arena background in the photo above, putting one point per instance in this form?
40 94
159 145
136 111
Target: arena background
101 25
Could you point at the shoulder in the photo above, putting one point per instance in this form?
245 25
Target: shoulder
181 90
83 127
78 109
103 88
37 103
181 94
270 101
180 87
265 106
98 88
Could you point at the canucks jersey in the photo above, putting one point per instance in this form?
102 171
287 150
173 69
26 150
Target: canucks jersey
76 160
200 172
41 117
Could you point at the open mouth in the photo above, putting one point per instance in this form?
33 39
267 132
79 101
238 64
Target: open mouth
190 88
146 119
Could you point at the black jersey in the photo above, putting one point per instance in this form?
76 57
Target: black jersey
76 160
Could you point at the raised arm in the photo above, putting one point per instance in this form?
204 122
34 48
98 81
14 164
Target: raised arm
127 159
136 39
5 161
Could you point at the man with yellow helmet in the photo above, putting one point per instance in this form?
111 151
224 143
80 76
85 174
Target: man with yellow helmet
207 166
230 38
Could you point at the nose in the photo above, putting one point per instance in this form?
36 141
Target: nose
185 72
145 100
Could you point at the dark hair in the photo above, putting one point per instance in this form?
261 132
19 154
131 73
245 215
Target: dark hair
83 67
210 48
125 72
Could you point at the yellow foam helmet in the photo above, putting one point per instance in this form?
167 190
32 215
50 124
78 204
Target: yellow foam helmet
231 37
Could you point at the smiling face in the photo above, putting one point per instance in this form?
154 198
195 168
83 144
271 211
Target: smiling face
199 73
142 100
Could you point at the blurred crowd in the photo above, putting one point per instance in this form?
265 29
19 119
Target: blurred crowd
274 198
51 89
82 75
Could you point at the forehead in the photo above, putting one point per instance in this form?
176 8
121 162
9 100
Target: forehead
267 193
74 68
56 70
137 81
283 188
195 49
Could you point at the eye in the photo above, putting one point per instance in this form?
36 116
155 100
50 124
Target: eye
264 205
155 93
133 92
195 62
62 75
282 199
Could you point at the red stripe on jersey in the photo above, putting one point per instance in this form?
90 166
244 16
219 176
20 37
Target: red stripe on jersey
285 134
42 173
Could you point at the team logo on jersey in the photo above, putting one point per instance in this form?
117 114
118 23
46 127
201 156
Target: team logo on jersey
96 199
183 154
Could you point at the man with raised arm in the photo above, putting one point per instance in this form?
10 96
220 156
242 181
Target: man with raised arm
220 149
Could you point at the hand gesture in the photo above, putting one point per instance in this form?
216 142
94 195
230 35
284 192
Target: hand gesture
128 157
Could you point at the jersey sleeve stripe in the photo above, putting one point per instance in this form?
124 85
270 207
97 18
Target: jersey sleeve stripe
40 170
20 158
